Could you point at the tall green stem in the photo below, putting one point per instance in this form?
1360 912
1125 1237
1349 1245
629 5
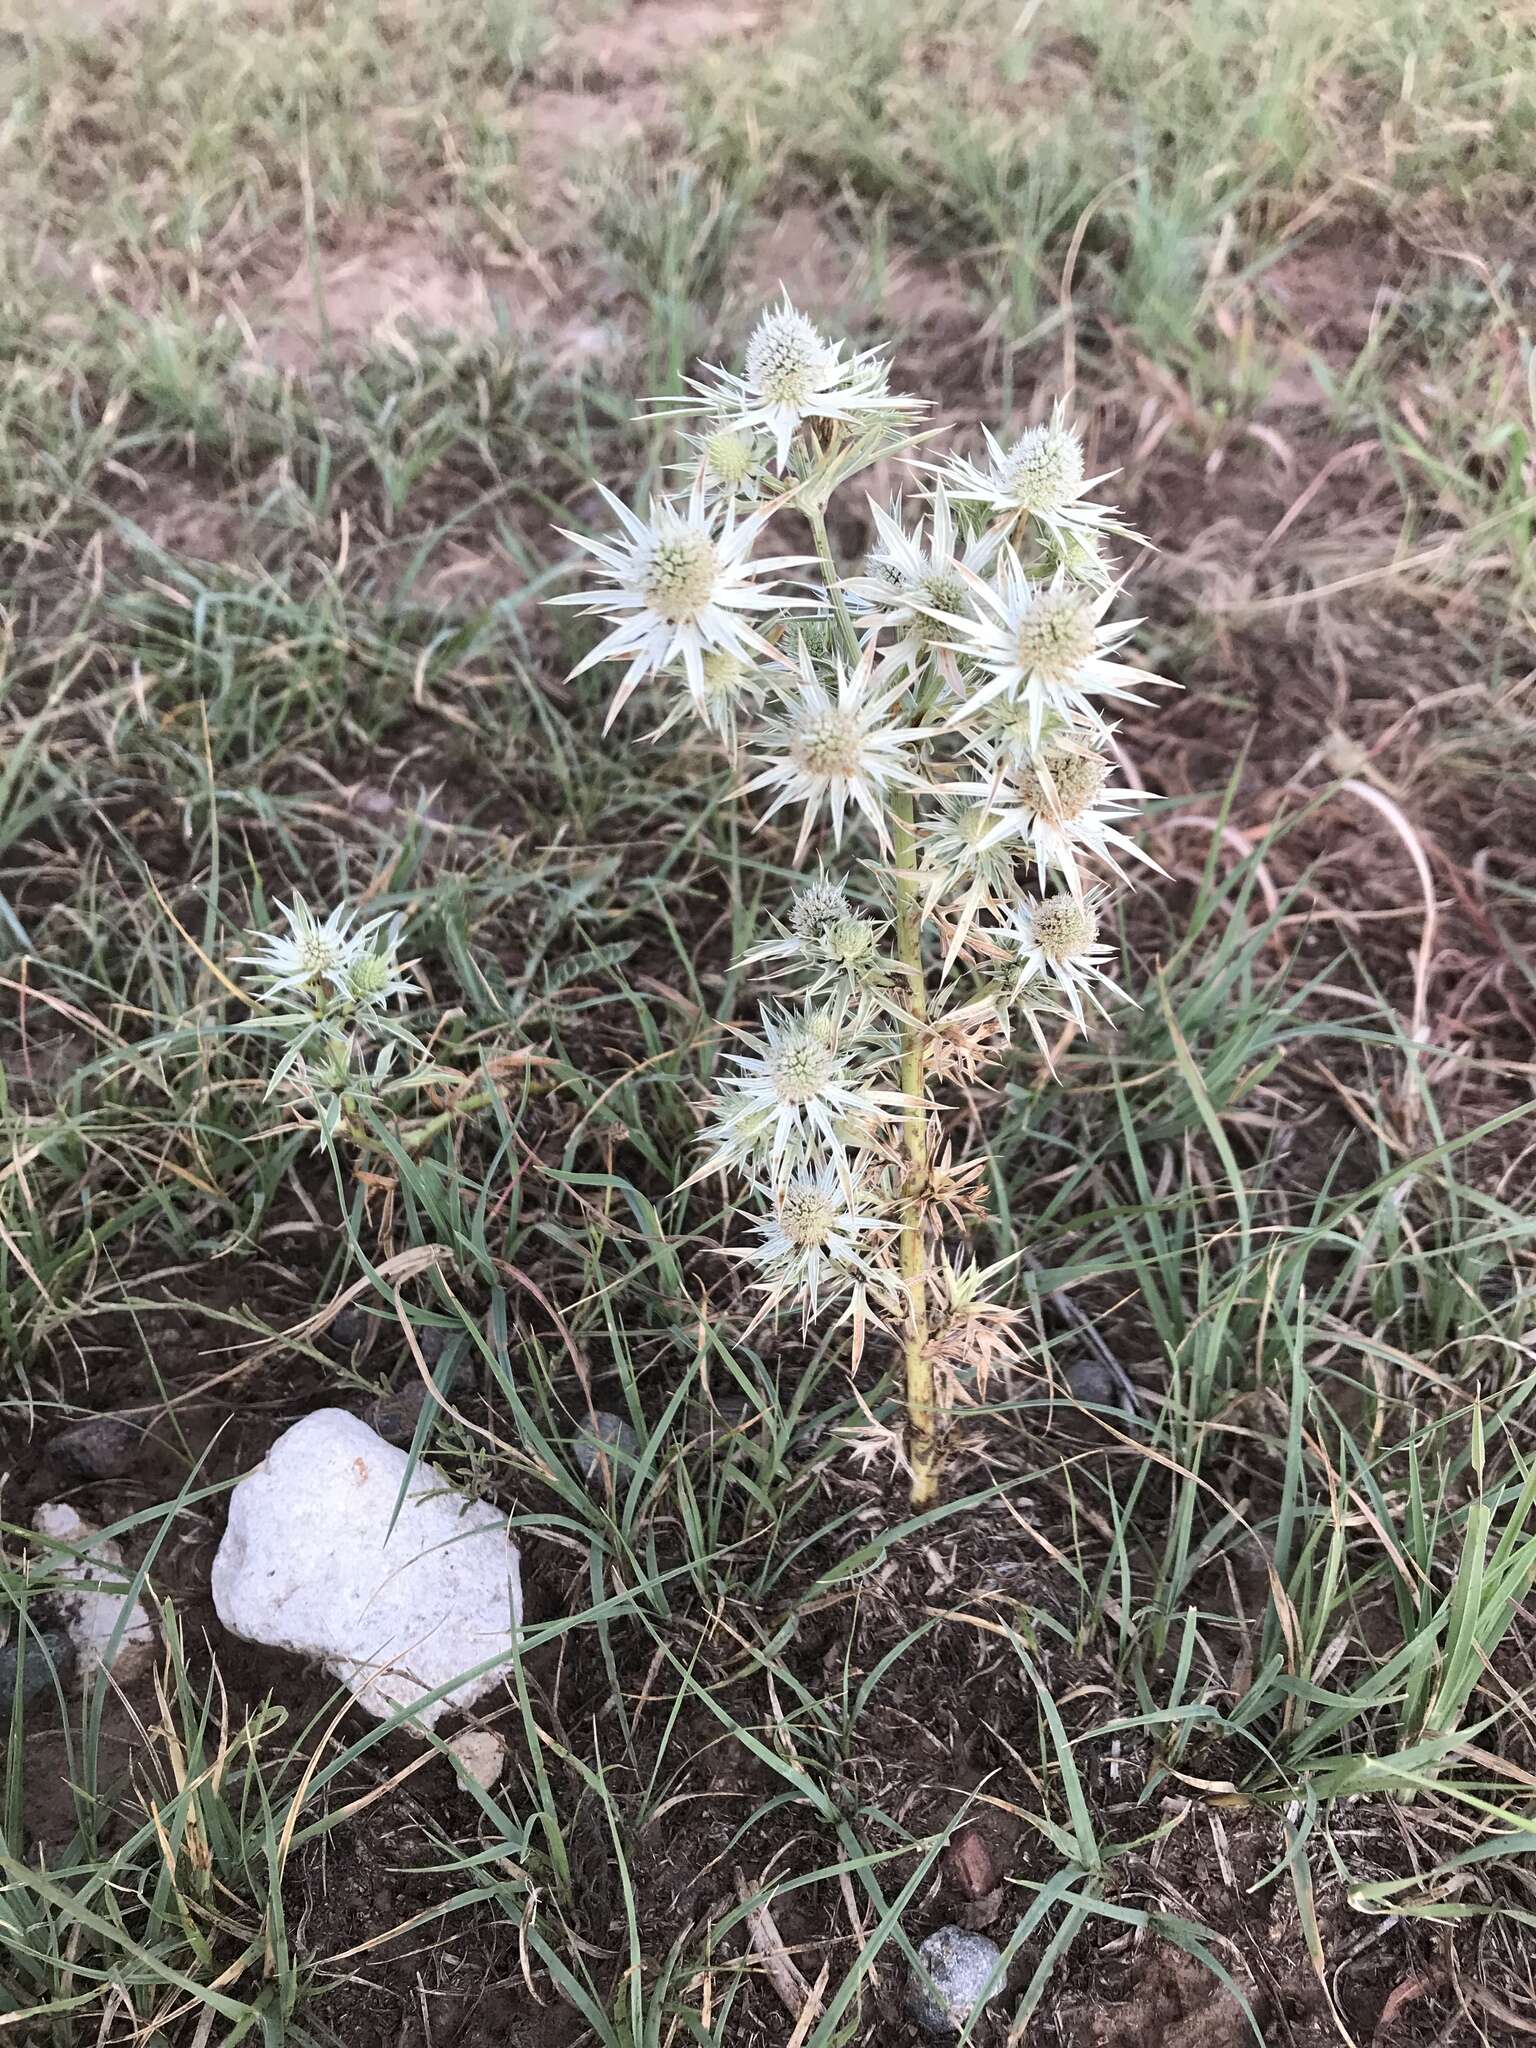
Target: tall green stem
923 1443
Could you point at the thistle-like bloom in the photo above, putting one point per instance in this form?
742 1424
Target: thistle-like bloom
966 858
326 956
729 465
1057 937
726 687
793 374
1059 803
809 1091
820 1243
373 978
909 577
836 746
681 582
826 938
818 904
1041 477
1045 648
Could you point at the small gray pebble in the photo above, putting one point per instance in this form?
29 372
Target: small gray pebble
51 1647
960 1964
350 1325
1097 1385
396 1415
601 1431
433 1339
98 1447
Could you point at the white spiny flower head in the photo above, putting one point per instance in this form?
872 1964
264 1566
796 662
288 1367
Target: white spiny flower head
315 955
826 939
912 581
788 359
809 1090
1045 648
792 374
681 582
817 904
967 864
1059 804
725 687
835 743
1057 937
373 978
1041 477
728 464
825 1241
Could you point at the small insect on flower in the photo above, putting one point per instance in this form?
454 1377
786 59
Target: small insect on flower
809 1090
1045 648
793 374
1057 937
837 746
822 1242
316 955
1058 803
681 582
1041 477
911 581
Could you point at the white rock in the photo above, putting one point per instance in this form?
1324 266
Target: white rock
316 1559
481 1755
91 1616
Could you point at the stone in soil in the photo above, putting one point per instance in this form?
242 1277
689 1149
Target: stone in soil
968 1864
396 1596
1093 1384
89 1587
602 1434
961 1966
98 1447
480 1754
396 1415
49 1651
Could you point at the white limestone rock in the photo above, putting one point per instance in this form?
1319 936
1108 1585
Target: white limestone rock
316 1559
91 1616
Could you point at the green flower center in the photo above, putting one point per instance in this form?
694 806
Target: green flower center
681 575
801 1069
1055 636
806 1217
1075 781
1043 470
1064 929
730 458
830 743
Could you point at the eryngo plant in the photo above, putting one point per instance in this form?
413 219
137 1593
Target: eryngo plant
949 704
328 988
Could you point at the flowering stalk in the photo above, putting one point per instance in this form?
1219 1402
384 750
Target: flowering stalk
923 1458
948 702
